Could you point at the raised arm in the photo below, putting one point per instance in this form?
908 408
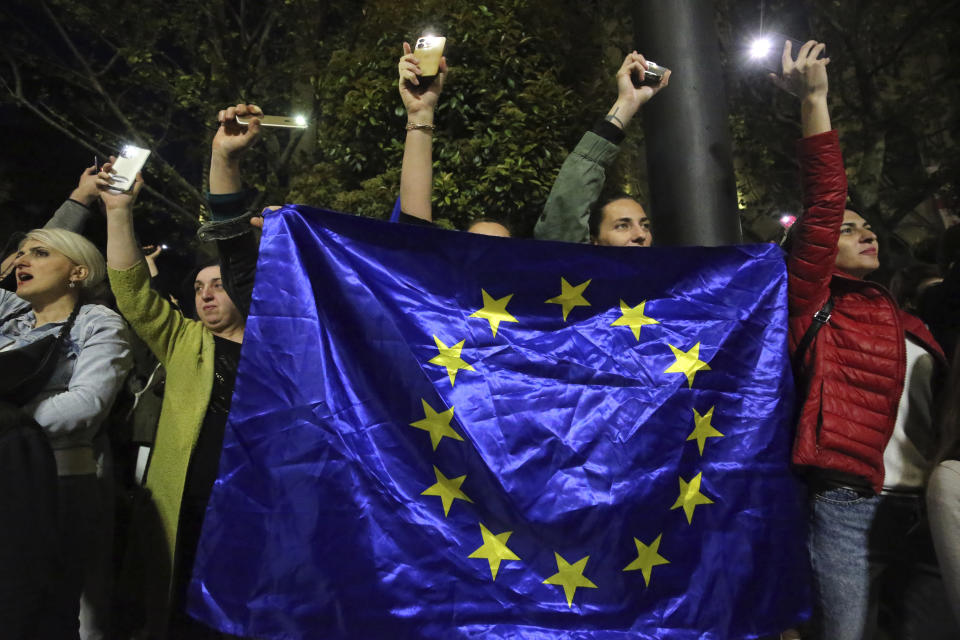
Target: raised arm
629 97
231 140
813 247
416 173
237 245
123 251
580 182
75 212
151 316
806 78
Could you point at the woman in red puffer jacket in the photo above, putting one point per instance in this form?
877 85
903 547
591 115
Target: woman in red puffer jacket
865 437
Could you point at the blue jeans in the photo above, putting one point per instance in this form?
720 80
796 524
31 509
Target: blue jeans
874 565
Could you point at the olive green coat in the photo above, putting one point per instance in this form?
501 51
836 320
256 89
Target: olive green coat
186 349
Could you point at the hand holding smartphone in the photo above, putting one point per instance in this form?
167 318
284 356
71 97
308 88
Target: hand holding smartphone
429 50
767 51
127 166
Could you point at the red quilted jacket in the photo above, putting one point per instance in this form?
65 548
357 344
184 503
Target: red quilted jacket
857 362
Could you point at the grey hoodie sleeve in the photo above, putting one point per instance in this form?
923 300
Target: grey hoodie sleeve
71 216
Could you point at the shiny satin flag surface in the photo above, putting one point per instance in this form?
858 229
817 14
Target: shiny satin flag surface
436 434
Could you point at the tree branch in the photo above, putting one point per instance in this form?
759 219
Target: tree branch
870 171
918 24
139 137
174 207
109 64
929 189
17 91
93 79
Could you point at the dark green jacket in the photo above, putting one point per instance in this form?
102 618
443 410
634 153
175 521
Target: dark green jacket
577 188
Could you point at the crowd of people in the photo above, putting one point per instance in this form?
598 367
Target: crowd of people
877 431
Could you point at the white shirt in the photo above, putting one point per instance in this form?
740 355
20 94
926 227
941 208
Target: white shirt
905 466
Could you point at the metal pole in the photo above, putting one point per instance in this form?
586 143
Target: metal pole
693 195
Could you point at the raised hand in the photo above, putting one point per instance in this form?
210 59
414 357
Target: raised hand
805 77
151 258
635 63
116 200
233 138
86 192
418 101
629 97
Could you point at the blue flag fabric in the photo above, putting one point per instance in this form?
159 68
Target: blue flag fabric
436 434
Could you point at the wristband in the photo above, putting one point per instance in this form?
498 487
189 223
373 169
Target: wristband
420 127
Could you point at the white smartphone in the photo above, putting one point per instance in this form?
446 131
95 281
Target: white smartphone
289 122
128 164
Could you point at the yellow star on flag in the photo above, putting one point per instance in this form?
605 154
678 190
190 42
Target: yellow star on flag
447 489
633 317
494 549
703 429
570 576
688 363
647 558
494 311
449 358
570 296
690 496
436 424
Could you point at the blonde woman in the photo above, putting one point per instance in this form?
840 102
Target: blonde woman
71 356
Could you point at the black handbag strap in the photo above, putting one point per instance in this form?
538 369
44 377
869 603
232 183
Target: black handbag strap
820 319
40 358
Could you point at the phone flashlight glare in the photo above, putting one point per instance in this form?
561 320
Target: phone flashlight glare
760 47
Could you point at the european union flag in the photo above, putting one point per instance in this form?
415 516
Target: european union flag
442 435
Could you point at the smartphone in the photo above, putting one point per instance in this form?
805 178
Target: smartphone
767 52
288 122
429 50
652 75
129 162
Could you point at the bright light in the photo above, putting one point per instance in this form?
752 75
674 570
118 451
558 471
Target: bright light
164 247
300 120
760 47
787 220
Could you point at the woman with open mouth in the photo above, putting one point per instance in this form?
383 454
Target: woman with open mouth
63 358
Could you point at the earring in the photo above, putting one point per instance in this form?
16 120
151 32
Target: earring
72 284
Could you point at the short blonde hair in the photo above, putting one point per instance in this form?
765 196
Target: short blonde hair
77 249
